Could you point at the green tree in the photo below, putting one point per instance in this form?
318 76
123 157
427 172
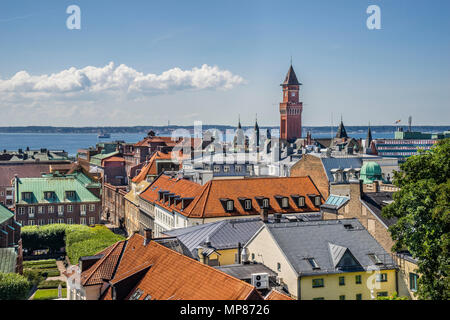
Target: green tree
13 286
422 208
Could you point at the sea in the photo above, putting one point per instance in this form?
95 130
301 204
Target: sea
71 142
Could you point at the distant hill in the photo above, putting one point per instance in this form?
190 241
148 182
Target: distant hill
169 129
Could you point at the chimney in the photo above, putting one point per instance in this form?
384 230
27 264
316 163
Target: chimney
148 235
277 217
239 253
264 215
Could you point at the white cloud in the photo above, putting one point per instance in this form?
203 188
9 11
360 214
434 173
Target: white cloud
110 79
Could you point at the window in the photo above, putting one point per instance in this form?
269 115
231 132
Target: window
48 195
92 207
60 220
21 210
230 205
317 201
265 203
301 202
70 208
413 281
51 221
26 195
358 279
313 263
342 281
91 220
381 277
31 210
216 168
285 202
317 283
51 209
375 258
31 222
382 294
70 194
82 220
40 209
238 168
253 256
83 208
69 221
292 94
148 297
342 297
136 295
249 168
41 222
248 204
2 193
60 210
278 266
226 168
358 296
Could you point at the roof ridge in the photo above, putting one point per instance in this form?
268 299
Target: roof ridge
196 201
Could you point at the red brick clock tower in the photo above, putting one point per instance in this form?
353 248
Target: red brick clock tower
291 108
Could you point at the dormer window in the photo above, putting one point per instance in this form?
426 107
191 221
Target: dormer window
48 195
230 205
70 194
265 203
285 202
301 202
375 258
248 204
26 195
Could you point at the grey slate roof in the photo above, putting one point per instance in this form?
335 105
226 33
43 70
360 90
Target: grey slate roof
374 200
303 240
223 234
8 260
334 163
244 271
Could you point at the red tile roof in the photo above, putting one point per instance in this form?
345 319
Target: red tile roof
114 159
207 199
151 168
104 268
276 295
166 274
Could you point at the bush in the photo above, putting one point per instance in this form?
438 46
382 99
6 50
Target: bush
49 236
393 297
48 294
43 273
34 276
41 266
51 284
13 286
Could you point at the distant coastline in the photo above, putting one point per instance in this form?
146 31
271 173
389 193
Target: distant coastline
169 129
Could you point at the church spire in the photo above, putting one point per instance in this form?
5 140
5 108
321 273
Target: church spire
291 78
341 133
369 137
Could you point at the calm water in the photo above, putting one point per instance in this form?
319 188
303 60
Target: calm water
72 142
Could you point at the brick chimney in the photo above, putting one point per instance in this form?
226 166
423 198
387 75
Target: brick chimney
264 215
148 235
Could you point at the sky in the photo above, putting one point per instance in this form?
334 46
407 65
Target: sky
150 62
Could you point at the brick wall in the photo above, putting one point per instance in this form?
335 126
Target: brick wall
312 166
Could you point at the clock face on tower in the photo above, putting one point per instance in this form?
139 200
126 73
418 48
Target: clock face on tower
291 108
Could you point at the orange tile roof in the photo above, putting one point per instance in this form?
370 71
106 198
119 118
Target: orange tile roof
150 168
276 295
111 159
207 198
104 268
167 274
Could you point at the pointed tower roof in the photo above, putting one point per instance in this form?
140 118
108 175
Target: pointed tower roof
291 78
341 133
256 123
239 122
369 136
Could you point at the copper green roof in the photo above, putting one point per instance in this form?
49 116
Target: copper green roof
8 260
59 185
370 172
5 214
97 159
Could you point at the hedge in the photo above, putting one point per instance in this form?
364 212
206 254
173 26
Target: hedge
38 262
51 284
13 286
89 241
79 240
41 266
49 294
53 272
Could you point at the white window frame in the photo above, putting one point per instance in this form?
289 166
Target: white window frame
51 209
91 207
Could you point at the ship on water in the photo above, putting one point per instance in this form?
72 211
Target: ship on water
104 135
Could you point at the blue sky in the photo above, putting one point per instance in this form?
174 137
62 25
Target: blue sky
364 75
